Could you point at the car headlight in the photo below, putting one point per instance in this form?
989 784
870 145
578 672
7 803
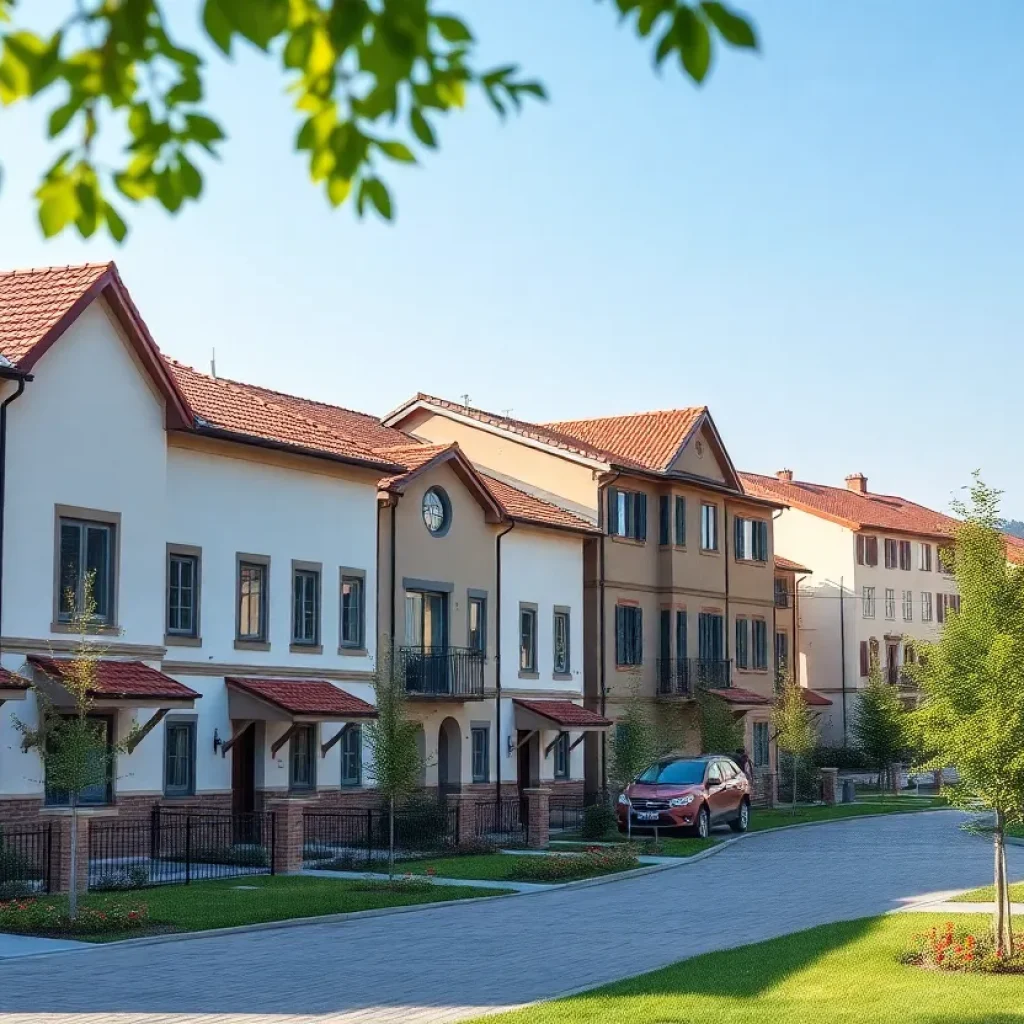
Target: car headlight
623 799
681 801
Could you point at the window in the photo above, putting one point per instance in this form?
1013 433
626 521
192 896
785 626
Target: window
905 555
352 611
926 606
352 756
86 561
751 539
781 653
561 638
924 557
305 607
708 527
868 602
561 753
629 635
781 592
742 642
681 650
180 758
762 751
944 604
100 792
478 624
865 659
680 520
710 637
252 601
908 605
437 511
664 517
627 514
890 554
481 753
759 633
527 639
890 603
182 594
300 759
867 550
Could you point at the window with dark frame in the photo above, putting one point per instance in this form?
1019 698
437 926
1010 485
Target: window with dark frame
867 550
561 753
742 642
759 643
629 635
561 642
301 771
868 602
890 603
86 553
98 794
352 756
710 636
306 607
905 555
478 624
252 601
680 521
750 539
908 605
708 527
761 754
924 557
781 652
926 606
527 639
664 519
781 592
180 759
891 556
182 594
627 514
352 611
481 753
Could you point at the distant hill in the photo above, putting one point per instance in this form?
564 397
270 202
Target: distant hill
1014 527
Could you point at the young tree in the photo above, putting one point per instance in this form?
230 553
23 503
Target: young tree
794 726
370 78
395 761
721 732
972 681
879 724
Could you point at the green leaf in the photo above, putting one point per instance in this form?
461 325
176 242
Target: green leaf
58 207
377 193
140 120
203 129
259 21
453 30
346 21
338 189
421 128
694 42
397 151
298 47
217 25
191 179
732 27
666 45
115 224
60 118
188 90
168 189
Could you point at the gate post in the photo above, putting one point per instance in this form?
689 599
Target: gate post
465 821
287 825
538 817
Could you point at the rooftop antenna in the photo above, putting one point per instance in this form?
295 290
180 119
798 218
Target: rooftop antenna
507 413
213 363
465 399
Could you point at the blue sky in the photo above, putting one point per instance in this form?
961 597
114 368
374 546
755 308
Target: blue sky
823 243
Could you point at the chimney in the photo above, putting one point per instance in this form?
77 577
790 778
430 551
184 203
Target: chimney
785 475
857 482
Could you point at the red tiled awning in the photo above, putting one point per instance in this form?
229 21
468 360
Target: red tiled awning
814 699
120 680
737 695
304 698
562 714
12 687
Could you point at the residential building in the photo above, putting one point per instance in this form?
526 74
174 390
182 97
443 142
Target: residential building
680 581
876 584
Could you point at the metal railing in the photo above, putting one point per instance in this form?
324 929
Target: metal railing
452 672
565 811
178 847
781 594
26 861
358 840
505 822
682 677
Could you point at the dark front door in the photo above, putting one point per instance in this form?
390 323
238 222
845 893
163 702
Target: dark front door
525 772
243 772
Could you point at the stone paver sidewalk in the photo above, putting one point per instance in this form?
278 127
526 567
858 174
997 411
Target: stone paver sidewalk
460 960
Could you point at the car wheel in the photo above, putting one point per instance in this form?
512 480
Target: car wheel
742 821
702 826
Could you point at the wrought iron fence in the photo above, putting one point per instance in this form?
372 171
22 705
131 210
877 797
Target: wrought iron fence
178 847
456 672
359 840
808 780
26 861
682 677
565 811
504 821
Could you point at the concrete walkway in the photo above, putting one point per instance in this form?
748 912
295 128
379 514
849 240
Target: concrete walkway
460 960
28 945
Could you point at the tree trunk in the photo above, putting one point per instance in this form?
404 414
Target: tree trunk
73 881
1003 920
391 839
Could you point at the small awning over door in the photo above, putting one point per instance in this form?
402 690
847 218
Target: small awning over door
560 715
12 687
113 684
294 700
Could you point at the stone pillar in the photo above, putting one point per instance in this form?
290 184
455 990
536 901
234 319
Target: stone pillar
538 817
830 786
60 853
466 804
288 833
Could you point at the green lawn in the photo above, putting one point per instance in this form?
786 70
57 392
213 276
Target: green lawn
988 894
666 847
778 817
252 900
844 973
1015 830
496 867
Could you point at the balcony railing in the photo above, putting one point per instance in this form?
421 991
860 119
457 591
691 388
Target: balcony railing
452 673
682 677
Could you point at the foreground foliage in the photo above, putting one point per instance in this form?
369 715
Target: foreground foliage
956 948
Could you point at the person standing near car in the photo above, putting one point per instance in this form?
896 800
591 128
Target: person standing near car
745 764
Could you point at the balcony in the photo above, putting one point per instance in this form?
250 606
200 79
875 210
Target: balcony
682 677
444 673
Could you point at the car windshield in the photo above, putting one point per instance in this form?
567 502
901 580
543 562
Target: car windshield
676 773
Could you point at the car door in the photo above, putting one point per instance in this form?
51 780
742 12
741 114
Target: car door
732 788
718 794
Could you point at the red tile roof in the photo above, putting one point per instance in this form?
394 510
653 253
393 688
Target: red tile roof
851 509
650 439
564 713
520 506
737 695
124 679
787 566
814 699
12 681
305 697
1014 549
412 457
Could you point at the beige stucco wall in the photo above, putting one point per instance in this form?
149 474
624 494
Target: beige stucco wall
705 464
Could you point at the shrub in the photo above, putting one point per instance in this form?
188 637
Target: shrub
134 877
50 917
808 779
476 846
954 948
405 884
598 821
421 824
598 860
846 759
15 890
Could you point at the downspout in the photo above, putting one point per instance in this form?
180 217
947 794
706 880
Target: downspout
796 628
775 613
22 378
842 649
602 517
497 670
725 531
394 548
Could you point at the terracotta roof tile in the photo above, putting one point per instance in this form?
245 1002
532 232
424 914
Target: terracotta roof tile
789 566
1014 549
33 301
651 439
564 713
305 697
12 681
121 679
814 699
520 505
737 695
858 511
412 457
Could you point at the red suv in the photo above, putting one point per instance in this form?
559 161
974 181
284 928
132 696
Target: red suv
694 793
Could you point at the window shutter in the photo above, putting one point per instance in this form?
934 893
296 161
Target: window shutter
620 636
738 537
638 636
741 643
640 514
940 608
762 541
664 517
680 521
865 664
665 637
860 549
681 650
871 548
613 511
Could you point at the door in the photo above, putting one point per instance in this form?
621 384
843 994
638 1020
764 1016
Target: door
426 635
524 769
732 791
711 649
243 772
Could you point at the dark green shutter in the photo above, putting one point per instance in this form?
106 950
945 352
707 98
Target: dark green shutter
681 651
741 643
665 637
620 636
641 516
680 520
737 529
638 636
613 511
664 514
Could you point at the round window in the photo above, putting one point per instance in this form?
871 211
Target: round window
436 510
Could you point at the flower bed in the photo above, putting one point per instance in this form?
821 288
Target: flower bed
955 948
596 860
50 917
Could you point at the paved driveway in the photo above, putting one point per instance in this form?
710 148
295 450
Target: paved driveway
456 961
